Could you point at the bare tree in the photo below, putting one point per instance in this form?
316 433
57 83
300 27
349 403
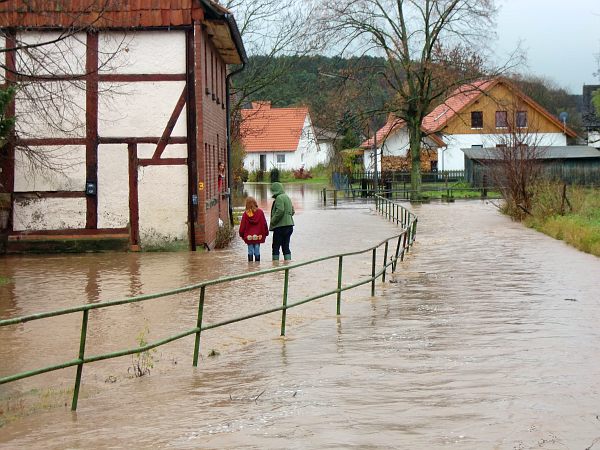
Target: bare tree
432 46
515 165
47 71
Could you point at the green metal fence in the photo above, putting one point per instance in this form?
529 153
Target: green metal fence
403 241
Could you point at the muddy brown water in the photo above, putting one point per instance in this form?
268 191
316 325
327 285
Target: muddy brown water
486 337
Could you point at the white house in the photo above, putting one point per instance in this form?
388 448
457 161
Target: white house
281 138
393 145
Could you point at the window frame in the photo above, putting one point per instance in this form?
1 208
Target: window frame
521 114
277 158
499 114
480 114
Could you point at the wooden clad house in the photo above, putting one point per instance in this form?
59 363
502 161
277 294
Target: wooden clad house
479 114
130 130
482 113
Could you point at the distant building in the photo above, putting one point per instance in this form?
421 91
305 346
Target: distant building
479 114
589 116
282 138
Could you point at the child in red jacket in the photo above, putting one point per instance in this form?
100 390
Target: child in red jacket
253 228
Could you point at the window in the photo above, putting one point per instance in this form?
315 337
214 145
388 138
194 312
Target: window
501 119
476 119
434 166
281 159
522 119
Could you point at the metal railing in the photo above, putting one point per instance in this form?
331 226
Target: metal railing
403 242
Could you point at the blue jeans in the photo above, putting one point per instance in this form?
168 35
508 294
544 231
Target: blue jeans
253 249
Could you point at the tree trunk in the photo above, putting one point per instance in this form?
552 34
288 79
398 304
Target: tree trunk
415 157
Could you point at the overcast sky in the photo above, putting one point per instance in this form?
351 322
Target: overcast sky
561 38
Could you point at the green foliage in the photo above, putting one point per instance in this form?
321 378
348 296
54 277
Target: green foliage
6 123
239 174
274 174
142 361
596 101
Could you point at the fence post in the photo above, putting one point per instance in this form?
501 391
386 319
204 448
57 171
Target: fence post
199 325
404 239
396 254
335 197
84 323
339 286
285 296
385 252
324 196
373 272
414 233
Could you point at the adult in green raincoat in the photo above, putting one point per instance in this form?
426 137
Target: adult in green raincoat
282 222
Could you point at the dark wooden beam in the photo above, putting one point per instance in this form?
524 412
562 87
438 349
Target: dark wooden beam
140 140
162 162
91 135
49 194
134 214
160 147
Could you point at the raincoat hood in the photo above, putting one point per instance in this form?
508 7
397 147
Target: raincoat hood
276 189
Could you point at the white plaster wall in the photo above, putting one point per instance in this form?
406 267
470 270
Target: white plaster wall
310 153
66 56
66 172
140 109
142 52
163 201
594 139
51 109
453 158
113 186
252 160
49 214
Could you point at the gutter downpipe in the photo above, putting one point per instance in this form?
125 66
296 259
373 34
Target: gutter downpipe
244 58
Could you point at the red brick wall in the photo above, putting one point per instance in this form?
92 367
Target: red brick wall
211 136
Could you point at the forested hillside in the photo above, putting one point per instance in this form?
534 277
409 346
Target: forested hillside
348 95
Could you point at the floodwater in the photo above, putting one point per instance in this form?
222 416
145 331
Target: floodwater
486 337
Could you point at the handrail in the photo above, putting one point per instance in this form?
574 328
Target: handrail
402 216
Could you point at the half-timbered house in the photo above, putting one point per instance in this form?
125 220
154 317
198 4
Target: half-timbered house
123 150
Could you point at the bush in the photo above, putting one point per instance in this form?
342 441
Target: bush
274 174
302 174
224 235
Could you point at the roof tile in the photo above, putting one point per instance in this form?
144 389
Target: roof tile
272 129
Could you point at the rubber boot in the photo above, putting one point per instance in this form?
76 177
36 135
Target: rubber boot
275 257
250 258
287 257
257 258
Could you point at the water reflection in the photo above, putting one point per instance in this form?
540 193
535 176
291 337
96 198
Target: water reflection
486 338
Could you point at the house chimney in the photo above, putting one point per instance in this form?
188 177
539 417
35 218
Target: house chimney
262 104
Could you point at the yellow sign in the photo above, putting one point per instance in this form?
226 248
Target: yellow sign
201 185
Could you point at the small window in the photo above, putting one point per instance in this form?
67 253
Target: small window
281 159
501 119
434 166
522 119
476 119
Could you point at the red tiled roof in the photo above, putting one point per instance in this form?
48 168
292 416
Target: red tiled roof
460 98
272 129
99 13
394 123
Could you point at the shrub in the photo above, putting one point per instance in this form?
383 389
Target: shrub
224 235
274 174
302 174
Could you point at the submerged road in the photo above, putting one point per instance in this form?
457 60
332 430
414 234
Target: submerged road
486 337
